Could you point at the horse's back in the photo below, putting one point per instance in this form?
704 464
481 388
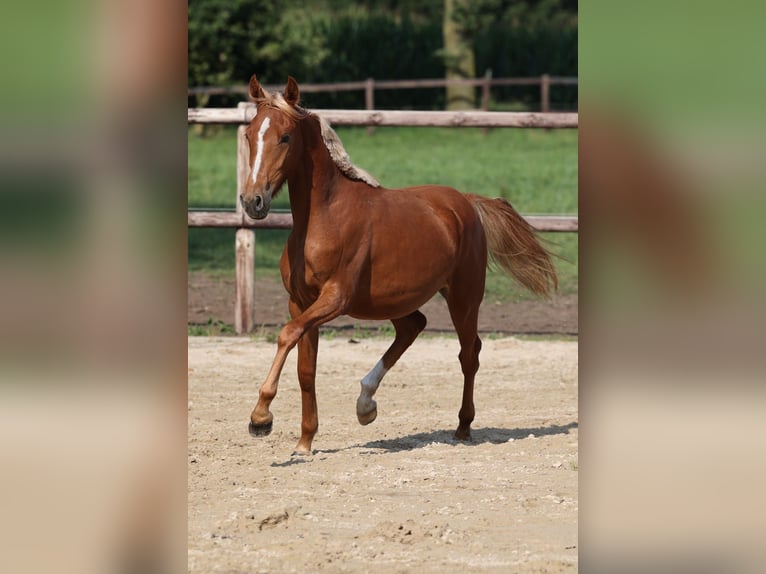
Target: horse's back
438 195
428 206
452 208
415 215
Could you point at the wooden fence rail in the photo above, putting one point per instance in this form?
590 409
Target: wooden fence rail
244 311
370 85
477 119
239 220
234 219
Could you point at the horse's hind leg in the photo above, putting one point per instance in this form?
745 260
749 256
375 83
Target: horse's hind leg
464 311
407 330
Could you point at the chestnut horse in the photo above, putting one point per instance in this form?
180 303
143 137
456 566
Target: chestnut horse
359 249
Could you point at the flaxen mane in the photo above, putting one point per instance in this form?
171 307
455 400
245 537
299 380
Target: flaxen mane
329 137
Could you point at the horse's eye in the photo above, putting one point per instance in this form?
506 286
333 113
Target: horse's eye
284 139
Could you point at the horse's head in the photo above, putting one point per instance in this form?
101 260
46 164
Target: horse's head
274 140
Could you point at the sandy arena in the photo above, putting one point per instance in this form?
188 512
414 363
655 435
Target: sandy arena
399 495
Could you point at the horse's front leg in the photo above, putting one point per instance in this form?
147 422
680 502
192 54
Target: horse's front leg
307 367
328 305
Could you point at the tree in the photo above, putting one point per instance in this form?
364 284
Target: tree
229 40
458 56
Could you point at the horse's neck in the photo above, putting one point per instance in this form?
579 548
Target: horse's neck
312 182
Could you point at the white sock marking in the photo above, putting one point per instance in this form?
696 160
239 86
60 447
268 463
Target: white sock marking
370 384
259 148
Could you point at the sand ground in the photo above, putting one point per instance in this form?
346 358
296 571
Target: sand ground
399 495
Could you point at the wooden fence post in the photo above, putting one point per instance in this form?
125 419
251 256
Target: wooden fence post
369 100
545 93
485 90
485 95
369 94
244 310
244 245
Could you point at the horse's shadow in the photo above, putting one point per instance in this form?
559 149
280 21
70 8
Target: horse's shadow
488 435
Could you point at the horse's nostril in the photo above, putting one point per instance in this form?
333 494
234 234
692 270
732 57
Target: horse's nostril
258 202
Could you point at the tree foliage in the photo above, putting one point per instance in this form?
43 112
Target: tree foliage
340 40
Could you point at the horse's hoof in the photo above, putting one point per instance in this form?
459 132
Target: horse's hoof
301 453
367 418
260 430
463 435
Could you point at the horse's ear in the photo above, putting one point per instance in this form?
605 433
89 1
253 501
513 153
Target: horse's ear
255 90
292 93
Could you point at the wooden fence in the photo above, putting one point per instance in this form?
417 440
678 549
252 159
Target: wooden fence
469 118
244 313
370 85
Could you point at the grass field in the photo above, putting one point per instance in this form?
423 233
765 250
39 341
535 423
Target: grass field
536 170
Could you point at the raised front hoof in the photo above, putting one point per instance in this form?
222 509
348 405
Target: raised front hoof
260 429
367 418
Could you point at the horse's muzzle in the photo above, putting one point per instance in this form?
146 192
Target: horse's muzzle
257 206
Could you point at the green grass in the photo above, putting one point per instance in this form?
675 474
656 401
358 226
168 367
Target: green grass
536 170
209 329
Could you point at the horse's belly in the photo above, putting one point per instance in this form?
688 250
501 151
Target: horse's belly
391 299
404 274
391 309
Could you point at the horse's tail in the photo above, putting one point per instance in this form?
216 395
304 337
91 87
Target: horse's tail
512 244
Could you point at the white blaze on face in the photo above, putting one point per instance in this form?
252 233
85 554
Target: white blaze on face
259 147
370 384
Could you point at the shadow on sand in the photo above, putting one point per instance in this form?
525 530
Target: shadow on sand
492 435
488 435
